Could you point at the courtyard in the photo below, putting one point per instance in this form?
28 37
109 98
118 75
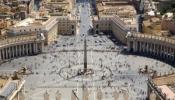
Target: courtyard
123 80
113 73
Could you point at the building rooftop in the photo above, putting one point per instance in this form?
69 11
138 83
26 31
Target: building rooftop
58 7
156 38
164 85
115 7
11 88
29 22
123 9
3 81
20 38
8 89
166 90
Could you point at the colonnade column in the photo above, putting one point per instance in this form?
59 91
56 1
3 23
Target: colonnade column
166 51
20 51
3 54
0 54
143 47
147 48
27 49
129 47
162 51
23 50
161 48
174 53
42 45
9 52
35 48
169 53
139 47
13 52
6 53
134 46
30 49
16 50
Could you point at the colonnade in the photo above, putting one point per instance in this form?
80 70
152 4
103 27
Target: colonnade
152 47
18 50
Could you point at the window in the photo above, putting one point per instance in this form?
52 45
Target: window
72 32
97 26
72 26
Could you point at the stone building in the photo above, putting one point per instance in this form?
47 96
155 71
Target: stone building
32 25
50 27
67 25
122 8
4 23
168 24
150 45
29 36
112 24
23 45
11 89
16 9
59 7
116 17
161 87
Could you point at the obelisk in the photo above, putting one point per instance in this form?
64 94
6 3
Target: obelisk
85 56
